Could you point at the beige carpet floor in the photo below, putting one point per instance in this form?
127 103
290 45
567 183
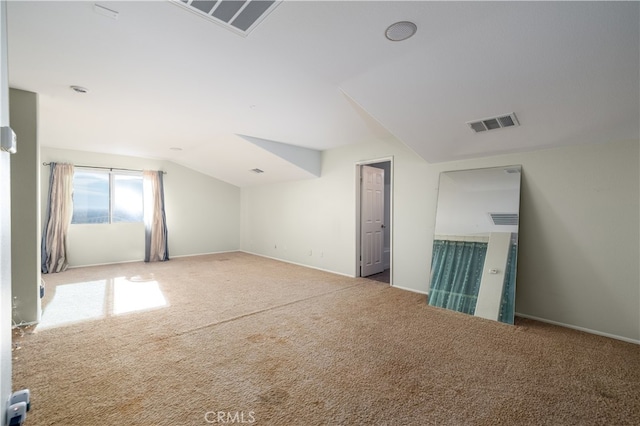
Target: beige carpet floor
235 338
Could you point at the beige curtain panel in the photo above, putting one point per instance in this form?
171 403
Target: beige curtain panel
155 223
59 213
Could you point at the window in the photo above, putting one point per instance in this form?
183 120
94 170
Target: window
106 196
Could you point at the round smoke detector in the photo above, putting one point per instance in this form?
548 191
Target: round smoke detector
401 30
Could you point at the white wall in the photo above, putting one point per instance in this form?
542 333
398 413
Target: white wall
578 241
203 213
287 220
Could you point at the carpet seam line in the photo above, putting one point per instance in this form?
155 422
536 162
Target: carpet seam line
213 324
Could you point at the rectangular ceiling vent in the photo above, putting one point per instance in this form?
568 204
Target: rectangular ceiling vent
256 171
239 16
494 123
504 219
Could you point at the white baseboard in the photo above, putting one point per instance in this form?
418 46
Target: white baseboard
412 290
298 264
203 254
101 264
142 260
575 327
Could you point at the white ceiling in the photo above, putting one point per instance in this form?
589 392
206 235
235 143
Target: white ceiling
320 74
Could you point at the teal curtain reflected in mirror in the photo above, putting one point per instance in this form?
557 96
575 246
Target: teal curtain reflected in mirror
456 274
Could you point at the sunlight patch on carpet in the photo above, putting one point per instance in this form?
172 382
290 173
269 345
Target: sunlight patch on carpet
74 303
136 296
93 300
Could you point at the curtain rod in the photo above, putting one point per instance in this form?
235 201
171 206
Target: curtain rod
105 168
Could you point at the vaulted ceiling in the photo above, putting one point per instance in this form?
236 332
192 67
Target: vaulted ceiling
166 83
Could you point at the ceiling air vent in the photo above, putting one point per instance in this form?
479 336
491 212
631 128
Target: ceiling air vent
504 219
239 16
256 171
494 123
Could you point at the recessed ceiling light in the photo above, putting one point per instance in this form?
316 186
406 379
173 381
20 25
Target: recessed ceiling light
79 89
401 30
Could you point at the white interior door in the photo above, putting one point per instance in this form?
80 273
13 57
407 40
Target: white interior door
372 220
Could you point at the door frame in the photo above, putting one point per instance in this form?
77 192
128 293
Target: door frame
358 200
6 357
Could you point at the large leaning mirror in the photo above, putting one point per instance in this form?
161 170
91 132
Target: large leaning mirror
475 246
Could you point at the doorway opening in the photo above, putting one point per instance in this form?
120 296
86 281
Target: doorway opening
374 219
